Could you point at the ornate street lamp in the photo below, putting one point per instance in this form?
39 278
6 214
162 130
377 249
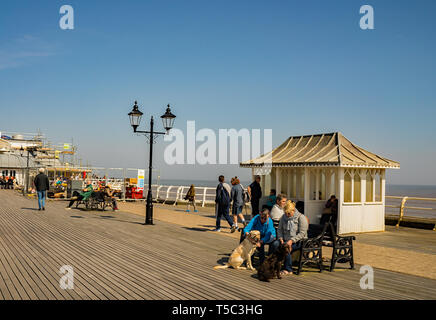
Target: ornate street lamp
135 116
168 121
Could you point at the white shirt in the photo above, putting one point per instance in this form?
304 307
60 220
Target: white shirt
276 212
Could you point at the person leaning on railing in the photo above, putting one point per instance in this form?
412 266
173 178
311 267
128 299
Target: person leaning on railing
81 196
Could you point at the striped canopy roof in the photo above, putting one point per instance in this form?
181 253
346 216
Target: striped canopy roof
330 149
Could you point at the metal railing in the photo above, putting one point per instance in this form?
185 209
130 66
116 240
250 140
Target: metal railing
402 206
176 194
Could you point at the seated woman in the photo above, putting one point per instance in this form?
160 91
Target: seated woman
110 193
330 213
292 229
81 196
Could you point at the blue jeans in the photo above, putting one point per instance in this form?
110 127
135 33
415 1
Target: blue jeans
261 249
288 260
41 199
223 211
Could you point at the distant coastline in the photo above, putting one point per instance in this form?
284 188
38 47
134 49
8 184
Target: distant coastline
425 191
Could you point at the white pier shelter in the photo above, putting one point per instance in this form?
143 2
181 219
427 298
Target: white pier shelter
311 168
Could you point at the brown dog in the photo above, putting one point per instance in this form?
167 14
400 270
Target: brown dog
243 252
272 265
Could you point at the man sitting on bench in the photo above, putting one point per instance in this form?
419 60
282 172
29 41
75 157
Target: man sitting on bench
263 223
81 196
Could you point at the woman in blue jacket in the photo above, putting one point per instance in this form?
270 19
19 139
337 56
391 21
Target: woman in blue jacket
263 223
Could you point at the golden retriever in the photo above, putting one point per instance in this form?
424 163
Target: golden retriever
243 252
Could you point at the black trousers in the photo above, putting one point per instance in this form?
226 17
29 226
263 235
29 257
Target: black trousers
254 207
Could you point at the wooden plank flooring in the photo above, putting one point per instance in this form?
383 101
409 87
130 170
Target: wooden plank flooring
114 256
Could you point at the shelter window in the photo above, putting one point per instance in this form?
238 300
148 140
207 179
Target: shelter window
369 187
357 186
347 187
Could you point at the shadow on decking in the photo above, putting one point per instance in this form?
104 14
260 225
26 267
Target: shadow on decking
196 229
33 209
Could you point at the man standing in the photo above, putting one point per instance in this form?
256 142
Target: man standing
41 185
222 201
255 192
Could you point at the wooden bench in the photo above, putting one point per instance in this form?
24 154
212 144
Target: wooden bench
342 246
96 201
311 249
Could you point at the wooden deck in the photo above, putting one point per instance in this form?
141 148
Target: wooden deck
114 256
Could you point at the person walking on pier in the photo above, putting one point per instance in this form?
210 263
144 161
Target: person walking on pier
190 196
255 192
237 196
222 201
41 185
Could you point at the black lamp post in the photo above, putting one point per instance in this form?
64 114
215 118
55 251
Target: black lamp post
168 121
26 179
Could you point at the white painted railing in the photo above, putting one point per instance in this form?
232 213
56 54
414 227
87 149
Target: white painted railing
402 206
176 194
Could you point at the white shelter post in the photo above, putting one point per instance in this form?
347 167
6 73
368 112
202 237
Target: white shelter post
289 183
306 188
362 185
383 185
352 184
341 197
317 176
278 180
373 184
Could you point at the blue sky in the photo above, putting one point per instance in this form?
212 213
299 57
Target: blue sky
297 67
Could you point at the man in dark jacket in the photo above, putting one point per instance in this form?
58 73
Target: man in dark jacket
222 201
41 185
255 192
